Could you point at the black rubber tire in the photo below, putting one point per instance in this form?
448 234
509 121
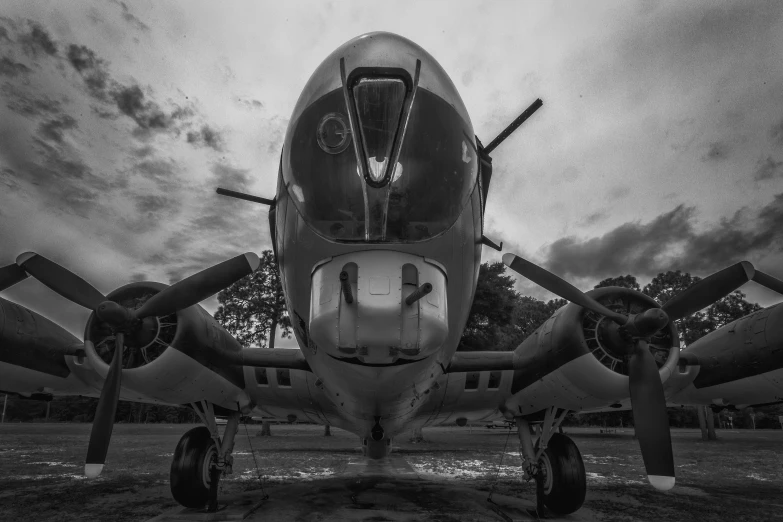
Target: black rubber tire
188 485
569 483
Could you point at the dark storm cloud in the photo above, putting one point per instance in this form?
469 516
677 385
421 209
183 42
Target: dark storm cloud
23 103
132 102
53 168
131 19
768 169
64 177
138 276
776 133
4 34
151 203
163 172
53 129
230 177
594 218
37 41
12 69
8 179
670 242
716 151
208 137
143 152
250 104
92 69
619 192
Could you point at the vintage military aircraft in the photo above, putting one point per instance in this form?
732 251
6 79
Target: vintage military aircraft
377 227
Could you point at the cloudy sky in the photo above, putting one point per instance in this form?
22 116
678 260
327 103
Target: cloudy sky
659 146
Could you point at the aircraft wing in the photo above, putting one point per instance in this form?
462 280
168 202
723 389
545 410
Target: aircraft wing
561 365
39 358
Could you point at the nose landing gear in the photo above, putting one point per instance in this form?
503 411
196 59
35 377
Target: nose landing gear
377 430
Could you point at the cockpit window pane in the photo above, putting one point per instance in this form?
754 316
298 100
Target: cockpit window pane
429 186
435 173
323 178
378 109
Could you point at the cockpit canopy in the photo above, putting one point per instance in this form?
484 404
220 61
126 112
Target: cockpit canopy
380 146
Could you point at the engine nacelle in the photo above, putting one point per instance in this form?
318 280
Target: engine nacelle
176 359
739 364
571 361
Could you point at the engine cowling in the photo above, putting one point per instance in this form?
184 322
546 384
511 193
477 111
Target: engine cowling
177 359
574 361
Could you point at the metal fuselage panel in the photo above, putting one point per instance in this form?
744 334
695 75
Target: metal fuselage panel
739 364
353 388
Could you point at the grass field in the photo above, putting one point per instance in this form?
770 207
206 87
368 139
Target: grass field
737 478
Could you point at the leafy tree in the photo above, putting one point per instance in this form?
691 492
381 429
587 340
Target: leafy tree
529 313
666 285
730 308
493 306
254 307
626 281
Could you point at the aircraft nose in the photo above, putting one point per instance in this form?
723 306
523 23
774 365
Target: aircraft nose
361 301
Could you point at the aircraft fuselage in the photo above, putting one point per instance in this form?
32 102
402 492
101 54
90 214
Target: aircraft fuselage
419 221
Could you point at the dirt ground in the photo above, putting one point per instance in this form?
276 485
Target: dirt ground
447 477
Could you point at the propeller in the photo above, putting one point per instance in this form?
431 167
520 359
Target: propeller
648 401
102 426
717 286
651 421
122 321
647 398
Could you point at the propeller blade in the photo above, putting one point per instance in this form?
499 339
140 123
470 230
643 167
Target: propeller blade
712 288
554 284
651 422
10 275
198 287
767 280
61 280
103 423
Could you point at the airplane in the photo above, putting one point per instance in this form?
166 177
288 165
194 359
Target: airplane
377 228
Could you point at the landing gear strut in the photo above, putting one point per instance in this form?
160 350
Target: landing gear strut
555 463
200 459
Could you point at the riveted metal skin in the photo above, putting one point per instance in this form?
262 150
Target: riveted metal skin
739 364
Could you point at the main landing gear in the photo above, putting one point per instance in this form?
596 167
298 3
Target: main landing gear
555 463
200 458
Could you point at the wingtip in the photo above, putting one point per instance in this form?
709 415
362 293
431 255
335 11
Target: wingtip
92 470
661 482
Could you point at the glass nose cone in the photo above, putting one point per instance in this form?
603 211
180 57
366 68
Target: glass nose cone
379 103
